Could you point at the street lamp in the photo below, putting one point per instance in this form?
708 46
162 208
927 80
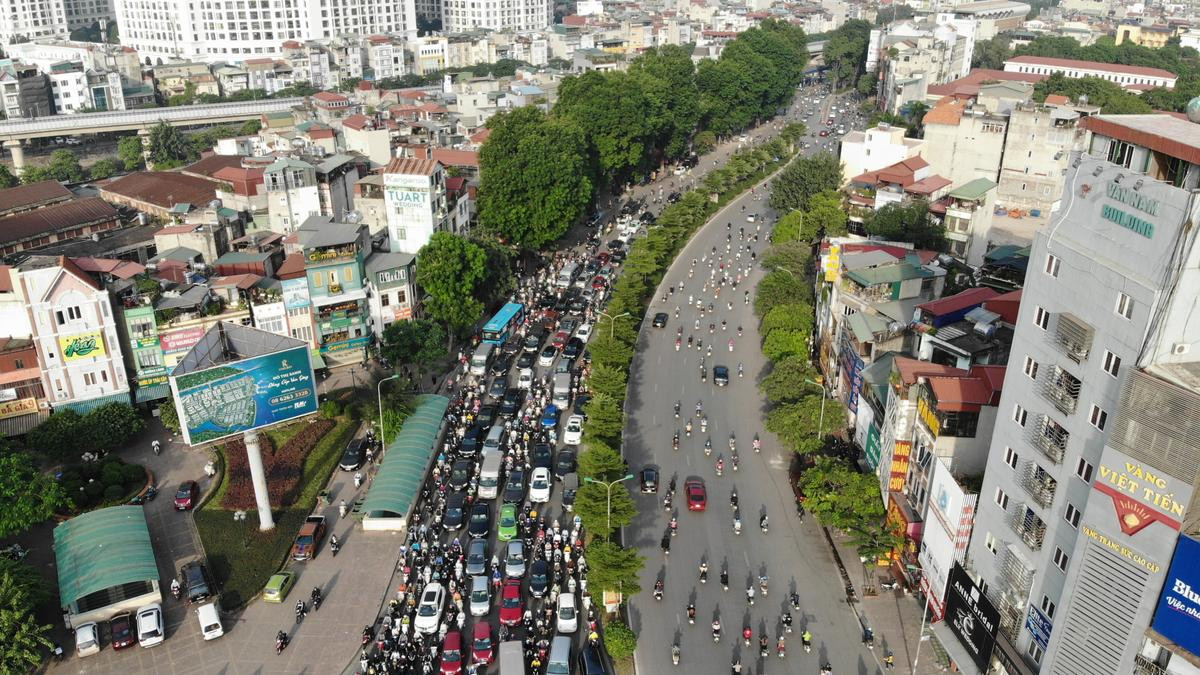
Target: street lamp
608 488
821 421
240 517
379 396
612 324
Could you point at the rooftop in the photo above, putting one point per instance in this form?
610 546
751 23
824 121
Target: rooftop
1160 132
969 86
32 194
210 165
102 549
958 301
54 218
412 167
163 189
321 231
974 190
888 274
910 369
1092 65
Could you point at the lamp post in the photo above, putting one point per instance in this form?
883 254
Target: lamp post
612 324
240 517
608 488
379 396
821 421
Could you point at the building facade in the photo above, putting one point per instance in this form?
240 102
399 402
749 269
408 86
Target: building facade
415 199
461 16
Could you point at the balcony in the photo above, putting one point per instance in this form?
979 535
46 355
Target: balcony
1073 336
1040 485
1062 389
1012 615
1144 665
1029 527
1015 570
1049 437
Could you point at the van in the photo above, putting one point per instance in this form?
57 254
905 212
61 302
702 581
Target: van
494 438
559 662
210 621
567 275
489 475
481 360
562 390
512 658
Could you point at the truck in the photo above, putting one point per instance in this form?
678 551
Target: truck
308 538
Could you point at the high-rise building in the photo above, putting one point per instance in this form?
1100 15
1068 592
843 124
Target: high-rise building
212 30
1095 453
30 19
460 16
85 13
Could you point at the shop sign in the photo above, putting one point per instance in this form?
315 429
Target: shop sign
900 457
972 617
343 345
1178 615
295 293
1039 626
181 340
402 313
21 406
8 394
833 262
1141 493
81 346
145 341
928 416
153 381
871 448
332 254
1121 549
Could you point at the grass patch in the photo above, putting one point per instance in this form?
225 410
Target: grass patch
281 435
239 556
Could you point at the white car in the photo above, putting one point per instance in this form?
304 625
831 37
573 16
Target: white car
568 619
514 559
429 611
87 639
574 432
750 218
525 378
539 486
481 596
150 625
584 331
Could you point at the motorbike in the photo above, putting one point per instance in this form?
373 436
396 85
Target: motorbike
316 599
677 410
807 642
781 649
687 429
678 344
762 585
757 443
826 669
658 590
691 613
737 526
334 545
746 635
675 442
716 631
157 447
704 574
176 590
703 425
708 447
367 634
796 601
301 611
724 580
731 345
762 649
675 654
720 466
762 524
281 642
735 462
674 527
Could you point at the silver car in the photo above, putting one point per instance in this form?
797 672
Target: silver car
481 596
514 559
477 557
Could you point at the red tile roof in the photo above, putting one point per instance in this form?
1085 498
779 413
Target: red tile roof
210 165
901 172
1093 65
73 269
241 281
55 218
910 369
480 136
412 167
960 394
318 134
6 279
456 157
959 301
182 228
928 186
330 97
32 194
1057 99
1007 306
574 20
969 86
121 269
357 122
163 188
292 267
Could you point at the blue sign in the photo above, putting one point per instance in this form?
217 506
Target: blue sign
234 397
1178 613
295 293
1039 626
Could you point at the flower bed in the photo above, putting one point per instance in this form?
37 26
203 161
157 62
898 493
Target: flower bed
92 485
284 466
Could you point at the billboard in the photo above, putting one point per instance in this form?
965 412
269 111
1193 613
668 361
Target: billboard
176 343
295 293
81 346
255 392
1039 626
972 617
1178 614
901 451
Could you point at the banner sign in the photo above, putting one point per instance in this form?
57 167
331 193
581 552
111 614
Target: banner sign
971 616
81 346
1178 615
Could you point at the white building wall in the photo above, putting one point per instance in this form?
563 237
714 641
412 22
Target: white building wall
32 19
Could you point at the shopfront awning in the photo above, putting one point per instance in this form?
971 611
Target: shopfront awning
155 392
395 488
85 407
317 362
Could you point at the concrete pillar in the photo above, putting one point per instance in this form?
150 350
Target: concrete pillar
258 476
144 136
18 154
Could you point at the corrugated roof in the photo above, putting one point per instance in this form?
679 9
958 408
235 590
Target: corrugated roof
101 549
958 301
32 194
163 189
240 257
121 269
292 267
1092 65
1161 132
212 164
974 190
910 369
55 218
885 274
412 167
396 486
451 157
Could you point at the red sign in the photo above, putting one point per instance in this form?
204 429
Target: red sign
180 340
1132 515
900 455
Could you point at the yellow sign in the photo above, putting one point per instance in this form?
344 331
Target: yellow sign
1122 550
21 406
833 263
928 416
81 346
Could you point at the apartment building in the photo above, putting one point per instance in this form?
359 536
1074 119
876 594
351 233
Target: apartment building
415 198
460 16
30 19
875 148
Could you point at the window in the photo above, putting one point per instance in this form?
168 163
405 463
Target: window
1124 305
1098 417
1001 499
1052 264
18 363
1083 470
1035 652
1048 606
89 379
1060 559
1041 318
1072 515
1112 363
1010 457
990 542
1020 415
1031 368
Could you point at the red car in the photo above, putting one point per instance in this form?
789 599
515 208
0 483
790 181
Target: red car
482 651
602 257
511 605
560 338
599 283
186 496
452 658
121 629
697 496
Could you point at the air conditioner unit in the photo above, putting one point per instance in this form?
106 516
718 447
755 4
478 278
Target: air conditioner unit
1180 348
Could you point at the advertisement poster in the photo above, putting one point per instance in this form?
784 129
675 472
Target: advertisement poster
21 406
972 617
1039 626
247 394
1178 614
900 456
295 293
81 346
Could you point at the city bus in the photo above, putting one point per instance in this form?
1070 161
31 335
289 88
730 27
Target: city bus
501 327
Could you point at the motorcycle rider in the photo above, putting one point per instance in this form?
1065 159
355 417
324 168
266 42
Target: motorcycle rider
763 643
703 572
806 639
716 629
691 613
762 523
725 579
746 635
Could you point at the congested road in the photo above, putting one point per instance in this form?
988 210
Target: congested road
792 554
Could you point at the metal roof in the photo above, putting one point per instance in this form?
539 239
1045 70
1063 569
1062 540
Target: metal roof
102 549
395 488
976 189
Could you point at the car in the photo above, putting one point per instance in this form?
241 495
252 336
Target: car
566 364
539 577
674 197
533 341
599 283
577 304
590 662
150 625
550 417
514 487
510 348
569 488
482 651
649 480
573 348
486 415
567 618
514 559
573 434
584 332
546 358
498 387
507 528
501 366
751 217
568 325
354 455
197 586
541 457
660 319
559 340
525 378
511 403
565 463
472 440
697 496
477 557
278 586
481 595
429 609
455 511
618 256
511 606
187 495
120 628
526 360
460 474
480 523
615 244
580 405
720 376
647 218
824 132
539 486
452 656
87 639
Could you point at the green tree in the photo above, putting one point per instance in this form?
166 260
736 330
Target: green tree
105 168
991 54
826 217
27 496
188 96
535 178
1111 97
609 351
593 505
786 381
64 167
908 222
602 462
250 128
129 151
797 423
704 142
619 640
604 420
874 539
168 147
109 426
779 287
840 497
22 639
7 179
450 269
349 83
60 437
788 228
614 568
846 52
169 416
803 178
421 342
671 83
608 381
616 116
780 344
793 316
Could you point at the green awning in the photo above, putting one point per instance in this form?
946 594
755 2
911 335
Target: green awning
154 392
317 362
102 549
85 407
395 488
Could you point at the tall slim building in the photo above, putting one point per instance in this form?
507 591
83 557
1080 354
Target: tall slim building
460 16
1097 443
30 19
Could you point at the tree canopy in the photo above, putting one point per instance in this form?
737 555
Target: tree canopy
450 269
804 178
27 496
846 52
908 222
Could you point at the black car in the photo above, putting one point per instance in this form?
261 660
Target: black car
581 402
649 480
674 197
480 523
539 577
460 474
501 366
541 457
514 487
526 359
498 387
616 244
354 456
533 341
197 585
565 463
454 510
590 661
647 217
720 376
513 398
591 266
660 319
577 304
573 348
617 257
472 440
631 207
511 347
486 415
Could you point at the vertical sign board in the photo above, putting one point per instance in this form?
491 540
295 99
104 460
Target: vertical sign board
900 456
1039 626
1178 614
971 616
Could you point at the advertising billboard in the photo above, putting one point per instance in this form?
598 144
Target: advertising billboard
936 559
901 451
972 617
81 346
240 395
176 343
1039 626
295 293
1178 614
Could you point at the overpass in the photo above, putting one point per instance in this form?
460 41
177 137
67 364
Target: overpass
13 132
